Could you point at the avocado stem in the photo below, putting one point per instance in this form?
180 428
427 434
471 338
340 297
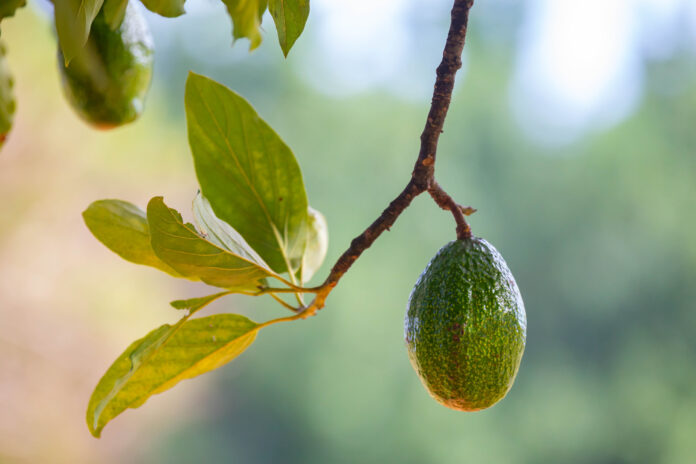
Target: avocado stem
446 202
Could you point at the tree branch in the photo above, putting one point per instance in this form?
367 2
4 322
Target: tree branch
422 177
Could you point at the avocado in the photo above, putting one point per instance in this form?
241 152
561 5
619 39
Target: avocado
7 101
107 82
465 326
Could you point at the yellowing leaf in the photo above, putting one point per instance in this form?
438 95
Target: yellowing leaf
246 19
163 358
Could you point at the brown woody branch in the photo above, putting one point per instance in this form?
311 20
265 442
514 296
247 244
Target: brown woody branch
423 176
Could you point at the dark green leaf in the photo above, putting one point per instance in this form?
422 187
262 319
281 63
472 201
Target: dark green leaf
114 12
167 8
163 358
122 227
8 7
246 19
73 23
180 246
247 173
196 304
290 17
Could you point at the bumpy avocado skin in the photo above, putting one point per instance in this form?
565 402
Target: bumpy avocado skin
465 326
108 81
7 100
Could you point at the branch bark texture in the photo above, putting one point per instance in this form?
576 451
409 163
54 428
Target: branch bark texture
423 175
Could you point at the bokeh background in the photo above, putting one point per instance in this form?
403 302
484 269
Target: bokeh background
572 131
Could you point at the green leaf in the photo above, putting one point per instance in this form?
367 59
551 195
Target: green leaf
166 8
73 23
163 358
8 7
317 244
122 227
247 173
114 12
246 19
196 304
180 246
290 17
221 233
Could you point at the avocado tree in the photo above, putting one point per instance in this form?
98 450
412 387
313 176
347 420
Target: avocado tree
254 230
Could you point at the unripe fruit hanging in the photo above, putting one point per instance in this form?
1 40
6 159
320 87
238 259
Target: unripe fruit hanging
466 327
107 82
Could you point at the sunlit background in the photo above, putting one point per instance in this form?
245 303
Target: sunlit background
572 131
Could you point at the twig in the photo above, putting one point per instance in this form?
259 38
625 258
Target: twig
266 290
446 202
284 304
422 178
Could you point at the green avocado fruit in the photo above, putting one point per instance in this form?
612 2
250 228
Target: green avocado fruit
107 82
7 101
465 326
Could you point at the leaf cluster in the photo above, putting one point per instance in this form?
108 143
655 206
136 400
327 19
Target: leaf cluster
253 233
74 18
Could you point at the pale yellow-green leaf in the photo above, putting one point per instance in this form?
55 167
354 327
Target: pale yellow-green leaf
163 358
246 19
196 304
317 244
221 233
122 227
181 247
73 22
